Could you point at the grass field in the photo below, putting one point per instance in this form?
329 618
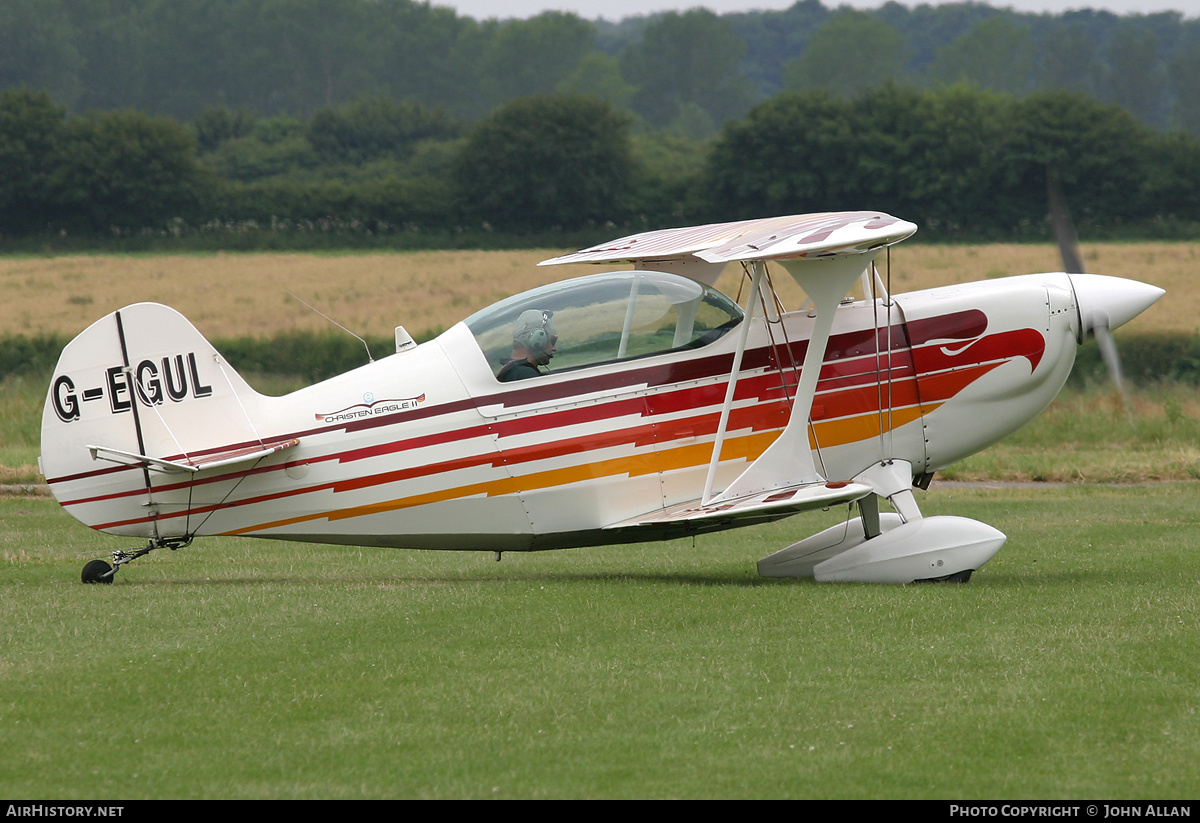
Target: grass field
240 669
230 295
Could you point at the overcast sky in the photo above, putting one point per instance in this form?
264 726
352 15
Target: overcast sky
616 9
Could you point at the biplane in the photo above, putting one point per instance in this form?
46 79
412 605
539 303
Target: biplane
649 406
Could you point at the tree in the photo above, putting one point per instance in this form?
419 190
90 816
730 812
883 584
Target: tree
1098 152
955 160
33 139
931 156
776 38
433 56
599 75
39 49
851 53
197 55
788 155
274 146
996 54
1185 82
113 38
219 124
328 45
532 57
1068 59
1172 180
694 57
375 127
1137 80
128 170
545 163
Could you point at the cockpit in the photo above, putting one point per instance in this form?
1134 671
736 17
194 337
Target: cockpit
611 317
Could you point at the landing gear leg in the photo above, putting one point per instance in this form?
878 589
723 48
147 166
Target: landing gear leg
97 571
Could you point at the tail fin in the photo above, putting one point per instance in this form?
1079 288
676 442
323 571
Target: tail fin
139 404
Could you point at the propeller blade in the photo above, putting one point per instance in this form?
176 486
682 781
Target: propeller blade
1108 351
1100 321
1112 361
1064 229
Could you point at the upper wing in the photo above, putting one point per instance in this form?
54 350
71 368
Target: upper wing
796 237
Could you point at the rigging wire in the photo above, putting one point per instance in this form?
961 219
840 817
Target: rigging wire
216 507
884 360
891 397
787 348
878 364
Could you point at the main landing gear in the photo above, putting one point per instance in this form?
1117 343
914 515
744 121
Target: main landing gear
98 571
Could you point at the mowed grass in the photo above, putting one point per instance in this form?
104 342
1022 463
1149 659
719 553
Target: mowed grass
1097 435
242 669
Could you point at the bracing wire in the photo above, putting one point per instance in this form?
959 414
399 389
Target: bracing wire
216 507
891 398
878 359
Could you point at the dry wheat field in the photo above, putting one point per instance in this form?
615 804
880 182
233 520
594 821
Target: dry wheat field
231 295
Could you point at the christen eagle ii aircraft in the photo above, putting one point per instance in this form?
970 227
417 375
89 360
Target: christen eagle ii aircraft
669 411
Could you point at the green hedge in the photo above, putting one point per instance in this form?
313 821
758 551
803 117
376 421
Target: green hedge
30 355
312 356
385 206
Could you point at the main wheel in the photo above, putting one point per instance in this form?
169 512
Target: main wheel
957 577
97 571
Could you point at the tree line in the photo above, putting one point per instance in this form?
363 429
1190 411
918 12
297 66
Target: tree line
392 121
961 162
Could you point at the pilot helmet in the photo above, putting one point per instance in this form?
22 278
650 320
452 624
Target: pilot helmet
535 330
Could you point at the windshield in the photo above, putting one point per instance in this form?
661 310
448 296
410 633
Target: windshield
610 317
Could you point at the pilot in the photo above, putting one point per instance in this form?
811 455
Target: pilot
534 342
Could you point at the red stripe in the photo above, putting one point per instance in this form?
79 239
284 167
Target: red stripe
847 388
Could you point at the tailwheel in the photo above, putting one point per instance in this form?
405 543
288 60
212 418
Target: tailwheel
97 571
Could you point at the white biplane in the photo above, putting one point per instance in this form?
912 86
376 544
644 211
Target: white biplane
669 411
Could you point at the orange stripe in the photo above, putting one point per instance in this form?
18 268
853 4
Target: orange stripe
830 433
740 448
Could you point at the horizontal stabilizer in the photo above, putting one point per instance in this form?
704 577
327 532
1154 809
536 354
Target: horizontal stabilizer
770 505
229 457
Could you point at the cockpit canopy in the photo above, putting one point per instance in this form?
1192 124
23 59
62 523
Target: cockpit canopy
610 317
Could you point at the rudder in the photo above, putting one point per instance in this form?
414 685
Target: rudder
140 403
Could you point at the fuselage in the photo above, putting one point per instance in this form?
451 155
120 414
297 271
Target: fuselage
427 449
